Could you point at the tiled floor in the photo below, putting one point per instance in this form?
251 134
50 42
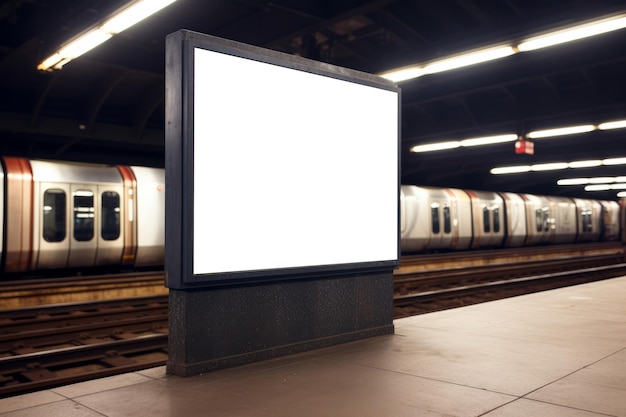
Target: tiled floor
557 353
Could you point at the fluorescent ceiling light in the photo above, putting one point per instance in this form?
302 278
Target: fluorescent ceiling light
549 167
620 182
614 161
597 187
585 164
621 194
121 20
429 147
470 58
510 170
495 52
560 131
601 180
573 33
489 140
573 181
403 74
618 124
563 165
618 186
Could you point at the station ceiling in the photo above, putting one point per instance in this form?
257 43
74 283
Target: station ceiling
107 106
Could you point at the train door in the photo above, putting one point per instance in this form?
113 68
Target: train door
51 214
538 223
83 220
588 216
487 217
514 219
563 220
461 217
610 220
109 230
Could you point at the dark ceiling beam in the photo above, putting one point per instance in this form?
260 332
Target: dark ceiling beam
52 79
149 103
68 128
99 96
323 24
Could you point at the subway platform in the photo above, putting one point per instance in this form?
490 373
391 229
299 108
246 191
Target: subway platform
556 353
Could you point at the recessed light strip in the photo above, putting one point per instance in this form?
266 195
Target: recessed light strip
551 166
538 134
122 19
491 53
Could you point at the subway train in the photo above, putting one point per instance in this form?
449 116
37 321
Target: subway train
60 215
454 219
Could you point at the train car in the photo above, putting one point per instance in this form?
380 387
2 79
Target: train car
447 218
58 215
65 215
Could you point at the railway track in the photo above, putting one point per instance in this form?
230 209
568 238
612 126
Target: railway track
422 287
58 344
46 346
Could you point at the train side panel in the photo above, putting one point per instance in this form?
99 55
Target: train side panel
461 220
538 219
19 208
416 233
610 220
563 219
487 218
588 216
150 210
515 219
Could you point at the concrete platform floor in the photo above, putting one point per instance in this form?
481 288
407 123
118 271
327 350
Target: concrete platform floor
557 353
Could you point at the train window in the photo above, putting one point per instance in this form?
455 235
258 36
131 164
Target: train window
539 219
84 214
546 221
587 224
486 222
496 220
447 224
54 221
110 215
434 211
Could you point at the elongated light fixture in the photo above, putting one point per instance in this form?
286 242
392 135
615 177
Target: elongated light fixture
486 140
574 33
558 165
122 19
490 53
571 130
617 124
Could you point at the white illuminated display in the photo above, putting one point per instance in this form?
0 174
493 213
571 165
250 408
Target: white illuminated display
291 169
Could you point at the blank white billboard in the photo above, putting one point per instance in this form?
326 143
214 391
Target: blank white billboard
294 169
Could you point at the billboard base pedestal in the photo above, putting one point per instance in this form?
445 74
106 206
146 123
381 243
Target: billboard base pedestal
214 328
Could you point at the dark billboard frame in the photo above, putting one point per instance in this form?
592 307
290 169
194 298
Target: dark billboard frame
181 166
